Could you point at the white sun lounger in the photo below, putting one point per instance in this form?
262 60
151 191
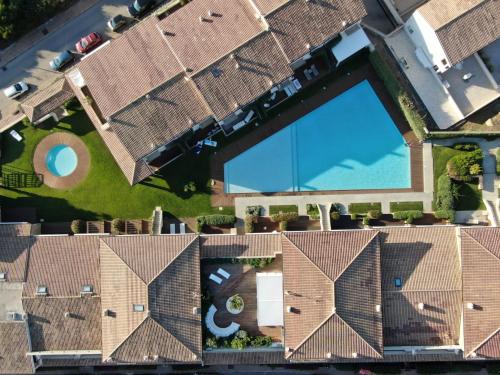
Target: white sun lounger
215 278
314 70
288 91
172 228
224 273
182 228
16 135
249 116
307 73
297 84
210 143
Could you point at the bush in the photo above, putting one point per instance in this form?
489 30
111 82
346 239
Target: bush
466 146
366 220
445 215
475 170
283 209
406 206
253 210
459 166
446 193
26 122
250 220
211 343
409 216
78 226
257 262
374 214
354 217
260 341
239 342
216 220
334 215
117 226
283 226
312 211
287 216
363 208
190 187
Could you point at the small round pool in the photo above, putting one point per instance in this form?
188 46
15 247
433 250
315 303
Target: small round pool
61 160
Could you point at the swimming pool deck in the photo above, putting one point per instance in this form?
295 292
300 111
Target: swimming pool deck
40 166
288 116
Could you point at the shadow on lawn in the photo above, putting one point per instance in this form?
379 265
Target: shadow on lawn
12 149
77 123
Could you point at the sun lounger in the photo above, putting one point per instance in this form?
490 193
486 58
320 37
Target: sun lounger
273 96
249 116
467 76
297 84
16 135
198 148
224 273
288 91
210 143
274 90
172 228
215 278
308 75
182 228
314 70
239 125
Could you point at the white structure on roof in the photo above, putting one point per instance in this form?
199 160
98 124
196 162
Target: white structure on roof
269 299
215 329
353 40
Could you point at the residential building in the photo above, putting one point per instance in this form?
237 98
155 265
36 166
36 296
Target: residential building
169 82
392 294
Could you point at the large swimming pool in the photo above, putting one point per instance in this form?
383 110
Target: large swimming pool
349 143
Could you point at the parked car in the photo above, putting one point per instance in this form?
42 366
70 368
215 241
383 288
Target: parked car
139 7
117 22
16 90
61 60
88 42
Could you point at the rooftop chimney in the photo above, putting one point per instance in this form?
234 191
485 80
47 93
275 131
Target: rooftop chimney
354 355
421 306
288 349
106 312
210 13
67 314
378 308
289 309
328 355
470 306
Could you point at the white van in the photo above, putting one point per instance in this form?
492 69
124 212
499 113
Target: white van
16 90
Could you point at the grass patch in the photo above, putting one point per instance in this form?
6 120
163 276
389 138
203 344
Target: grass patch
406 206
105 193
283 209
399 96
363 208
470 196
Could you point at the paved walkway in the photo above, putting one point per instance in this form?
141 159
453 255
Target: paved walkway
490 180
345 199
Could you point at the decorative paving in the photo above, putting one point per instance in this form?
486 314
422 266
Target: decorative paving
46 145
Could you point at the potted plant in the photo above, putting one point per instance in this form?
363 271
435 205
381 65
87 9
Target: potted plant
235 304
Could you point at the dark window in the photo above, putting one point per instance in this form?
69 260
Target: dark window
398 283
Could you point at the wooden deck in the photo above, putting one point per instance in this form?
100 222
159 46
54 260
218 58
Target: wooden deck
285 118
242 282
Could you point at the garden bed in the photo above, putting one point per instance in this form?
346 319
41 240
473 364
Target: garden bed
283 208
363 208
406 206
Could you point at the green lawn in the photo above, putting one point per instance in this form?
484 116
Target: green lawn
105 193
406 206
363 208
470 195
283 209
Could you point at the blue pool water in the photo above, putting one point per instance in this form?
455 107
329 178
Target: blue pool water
349 143
61 160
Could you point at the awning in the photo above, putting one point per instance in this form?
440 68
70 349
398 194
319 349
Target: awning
353 40
269 299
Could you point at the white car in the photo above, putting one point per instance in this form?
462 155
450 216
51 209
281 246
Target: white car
16 90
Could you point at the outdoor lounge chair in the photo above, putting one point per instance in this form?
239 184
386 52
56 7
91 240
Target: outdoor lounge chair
215 278
308 75
198 147
172 228
182 228
249 116
288 91
16 135
314 70
223 273
210 143
297 84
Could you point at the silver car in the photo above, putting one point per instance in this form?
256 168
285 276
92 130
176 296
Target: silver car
16 90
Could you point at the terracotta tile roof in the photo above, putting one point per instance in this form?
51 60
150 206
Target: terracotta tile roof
64 264
14 345
166 113
198 43
221 357
15 229
241 246
162 274
267 6
427 262
299 23
51 330
247 73
333 300
14 257
47 100
481 287
129 67
463 26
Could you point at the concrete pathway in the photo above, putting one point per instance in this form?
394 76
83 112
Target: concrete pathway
345 199
490 180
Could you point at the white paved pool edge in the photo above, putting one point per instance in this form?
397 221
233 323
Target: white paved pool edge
345 199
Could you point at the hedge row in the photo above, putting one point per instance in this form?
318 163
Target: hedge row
283 209
446 194
408 216
253 210
216 220
286 216
406 206
250 220
312 211
363 208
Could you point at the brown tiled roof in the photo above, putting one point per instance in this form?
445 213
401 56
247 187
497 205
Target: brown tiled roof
241 246
14 257
267 6
333 300
167 112
231 357
47 100
247 73
64 264
198 43
15 229
481 286
161 273
51 330
463 26
299 23
129 67
14 345
427 262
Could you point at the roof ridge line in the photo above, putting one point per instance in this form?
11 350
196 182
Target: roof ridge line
361 337
172 260
358 254
130 333
422 291
480 244
308 337
484 341
124 262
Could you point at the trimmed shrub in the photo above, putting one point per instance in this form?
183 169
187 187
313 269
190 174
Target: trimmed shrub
445 214
459 166
408 215
446 193
374 214
253 210
283 226
78 226
260 341
475 170
117 226
286 216
363 208
239 343
279 209
216 220
366 220
250 220
406 206
211 343
334 215
312 211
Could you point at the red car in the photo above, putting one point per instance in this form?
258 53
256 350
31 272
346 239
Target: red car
88 42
